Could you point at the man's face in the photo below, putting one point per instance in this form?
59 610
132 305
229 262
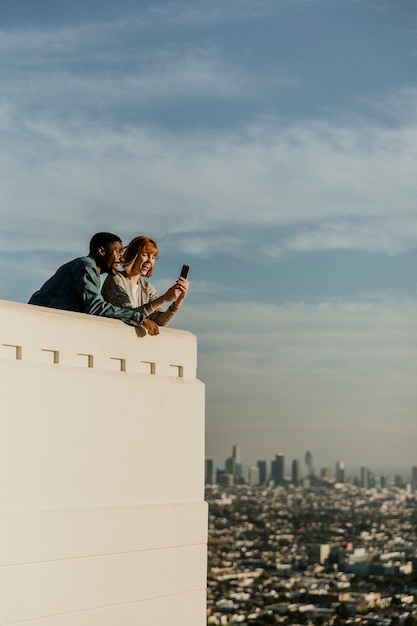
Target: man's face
110 257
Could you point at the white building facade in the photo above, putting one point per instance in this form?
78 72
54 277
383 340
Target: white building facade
102 513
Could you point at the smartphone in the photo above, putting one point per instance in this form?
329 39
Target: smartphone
184 271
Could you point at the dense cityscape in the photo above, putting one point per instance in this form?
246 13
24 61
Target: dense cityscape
310 548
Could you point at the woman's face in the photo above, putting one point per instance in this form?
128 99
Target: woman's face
144 263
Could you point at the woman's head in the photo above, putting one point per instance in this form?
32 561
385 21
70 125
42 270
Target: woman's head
140 256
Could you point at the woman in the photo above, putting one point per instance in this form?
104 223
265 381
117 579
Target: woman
128 289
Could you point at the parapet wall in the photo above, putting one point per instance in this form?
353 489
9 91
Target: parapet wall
102 513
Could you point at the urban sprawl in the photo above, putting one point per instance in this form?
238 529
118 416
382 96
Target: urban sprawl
310 549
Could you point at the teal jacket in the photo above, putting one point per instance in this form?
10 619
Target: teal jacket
76 286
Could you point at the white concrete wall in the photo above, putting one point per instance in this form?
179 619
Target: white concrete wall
102 513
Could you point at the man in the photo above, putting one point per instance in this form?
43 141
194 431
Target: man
76 285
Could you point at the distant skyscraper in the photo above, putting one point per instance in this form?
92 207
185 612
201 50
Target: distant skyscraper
364 478
236 455
233 466
371 480
209 471
308 460
414 478
340 472
295 472
224 479
399 481
262 472
326 473
277 469
229 466
253 476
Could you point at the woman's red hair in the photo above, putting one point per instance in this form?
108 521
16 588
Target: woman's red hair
134 248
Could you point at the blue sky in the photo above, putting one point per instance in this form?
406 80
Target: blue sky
269 144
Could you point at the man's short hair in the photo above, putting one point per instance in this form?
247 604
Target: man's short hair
100 240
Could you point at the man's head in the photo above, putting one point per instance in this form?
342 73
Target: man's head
107 251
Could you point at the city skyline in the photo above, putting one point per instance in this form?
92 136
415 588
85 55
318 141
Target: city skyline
308 465
269 145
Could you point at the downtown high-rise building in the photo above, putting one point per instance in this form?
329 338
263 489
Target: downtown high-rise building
340 472
326 473
262 466
364 482
308 461
277 469
209 477
295 472
253 475
414 478
233 466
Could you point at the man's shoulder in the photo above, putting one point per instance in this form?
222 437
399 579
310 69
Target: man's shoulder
85 260
80 271
81 263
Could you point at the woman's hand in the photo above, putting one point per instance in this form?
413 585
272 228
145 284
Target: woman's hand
172 293
182 284
176 294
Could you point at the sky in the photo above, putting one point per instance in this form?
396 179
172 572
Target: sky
269 144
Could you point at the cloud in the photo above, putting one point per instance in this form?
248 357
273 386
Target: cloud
150 78
130 60
392 235
75 157
211 244
313 337
331 188
200 15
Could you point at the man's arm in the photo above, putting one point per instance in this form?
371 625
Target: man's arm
88 288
